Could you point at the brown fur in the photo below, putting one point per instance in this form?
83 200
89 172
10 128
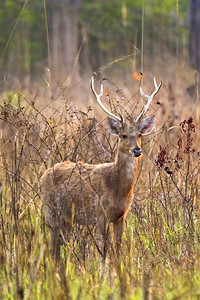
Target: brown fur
91 194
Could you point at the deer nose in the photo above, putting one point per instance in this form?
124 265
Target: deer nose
137 151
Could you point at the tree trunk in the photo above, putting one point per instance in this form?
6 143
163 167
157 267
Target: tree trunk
63 38
195 34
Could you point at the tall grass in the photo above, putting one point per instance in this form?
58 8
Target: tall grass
160 255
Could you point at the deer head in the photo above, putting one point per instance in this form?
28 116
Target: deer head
129 135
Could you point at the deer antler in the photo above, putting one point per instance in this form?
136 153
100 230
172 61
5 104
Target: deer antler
149 97
98 96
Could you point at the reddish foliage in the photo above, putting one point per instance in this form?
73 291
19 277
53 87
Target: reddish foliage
184 143
188 128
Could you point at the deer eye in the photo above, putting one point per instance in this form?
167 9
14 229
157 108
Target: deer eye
124 136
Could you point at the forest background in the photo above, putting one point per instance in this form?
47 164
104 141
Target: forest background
83 36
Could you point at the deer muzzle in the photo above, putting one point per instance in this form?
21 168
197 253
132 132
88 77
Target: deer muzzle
137 151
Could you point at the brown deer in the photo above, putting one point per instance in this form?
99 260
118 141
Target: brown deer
96 194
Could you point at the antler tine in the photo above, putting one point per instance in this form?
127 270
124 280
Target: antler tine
98 96
149 97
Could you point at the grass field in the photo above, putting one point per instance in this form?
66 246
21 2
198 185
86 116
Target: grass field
160 255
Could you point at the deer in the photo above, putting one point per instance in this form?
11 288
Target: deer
96 194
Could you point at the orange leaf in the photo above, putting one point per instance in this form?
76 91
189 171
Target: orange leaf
137 76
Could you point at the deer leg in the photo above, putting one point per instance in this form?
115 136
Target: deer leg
115 213
118 230
55 245
102 232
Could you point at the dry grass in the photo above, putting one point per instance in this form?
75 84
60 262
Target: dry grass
160 255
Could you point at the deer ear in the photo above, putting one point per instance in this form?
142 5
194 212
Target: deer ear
113 126
147 125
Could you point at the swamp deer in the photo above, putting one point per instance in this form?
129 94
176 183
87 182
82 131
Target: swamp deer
89 194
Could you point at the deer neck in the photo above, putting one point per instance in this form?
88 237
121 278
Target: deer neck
126 167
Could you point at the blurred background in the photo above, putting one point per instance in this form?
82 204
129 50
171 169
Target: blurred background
59 43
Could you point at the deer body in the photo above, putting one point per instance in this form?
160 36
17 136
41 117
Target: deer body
90 187
94 194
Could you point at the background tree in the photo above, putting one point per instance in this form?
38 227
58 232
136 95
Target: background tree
195 34
110 30
63 40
